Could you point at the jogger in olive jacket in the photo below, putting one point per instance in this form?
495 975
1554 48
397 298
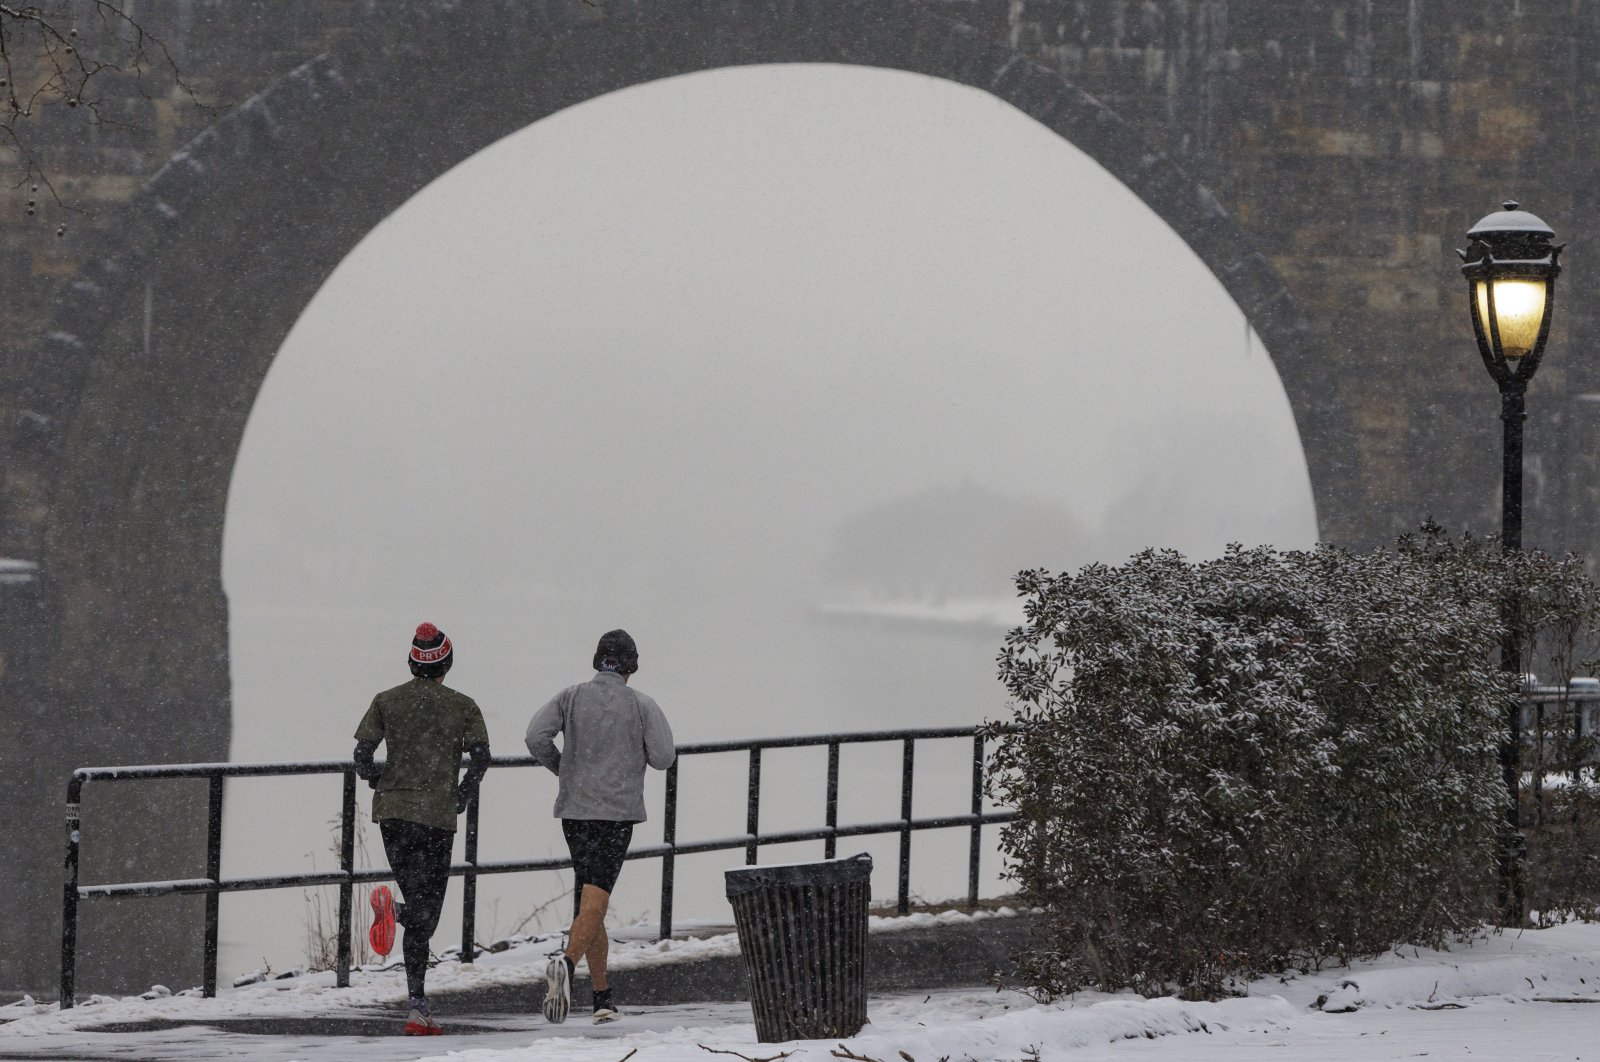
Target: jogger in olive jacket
426 727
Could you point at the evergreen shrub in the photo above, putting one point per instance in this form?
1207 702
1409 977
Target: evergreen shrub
1558 612
1273 758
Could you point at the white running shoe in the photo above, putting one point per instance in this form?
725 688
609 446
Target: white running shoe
558 996
605 1015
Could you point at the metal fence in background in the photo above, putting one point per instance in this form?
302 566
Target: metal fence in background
212 885
1575 707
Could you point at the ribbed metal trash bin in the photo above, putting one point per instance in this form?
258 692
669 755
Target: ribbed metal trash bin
803 934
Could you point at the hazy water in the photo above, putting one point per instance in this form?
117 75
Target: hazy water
720 360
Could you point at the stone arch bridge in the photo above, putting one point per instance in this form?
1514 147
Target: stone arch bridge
1321 156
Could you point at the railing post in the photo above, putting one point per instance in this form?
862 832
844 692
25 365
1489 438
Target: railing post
752 821
669 837
469 882
1575 767
904 904
208 984
69 895
830 846
347 861
977 826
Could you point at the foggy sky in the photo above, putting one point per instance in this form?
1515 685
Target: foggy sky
702 359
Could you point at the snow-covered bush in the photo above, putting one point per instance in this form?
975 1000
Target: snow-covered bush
1558 612
1266 759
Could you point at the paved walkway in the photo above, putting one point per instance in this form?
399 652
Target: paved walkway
710 993
360 1035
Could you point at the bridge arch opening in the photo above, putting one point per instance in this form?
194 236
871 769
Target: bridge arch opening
787 369
161 343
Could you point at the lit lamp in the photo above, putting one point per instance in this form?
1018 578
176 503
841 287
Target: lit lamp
1510 310
1511 268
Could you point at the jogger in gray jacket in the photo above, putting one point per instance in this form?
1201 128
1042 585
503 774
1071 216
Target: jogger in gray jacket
609 734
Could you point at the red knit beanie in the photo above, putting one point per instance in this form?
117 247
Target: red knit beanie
431 652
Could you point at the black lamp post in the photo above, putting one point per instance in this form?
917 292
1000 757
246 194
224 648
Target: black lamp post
1511 268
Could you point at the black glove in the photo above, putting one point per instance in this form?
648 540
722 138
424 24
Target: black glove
478 765
365 768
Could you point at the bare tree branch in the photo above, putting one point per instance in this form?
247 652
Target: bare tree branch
747 1058
535 915
844 1052
58 54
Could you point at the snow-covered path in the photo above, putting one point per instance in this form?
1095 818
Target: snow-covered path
1494 1028
491 1035
1528 996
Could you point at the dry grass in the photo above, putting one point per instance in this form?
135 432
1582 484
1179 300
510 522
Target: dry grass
322 912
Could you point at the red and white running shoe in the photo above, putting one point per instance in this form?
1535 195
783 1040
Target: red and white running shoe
381 935
420 1023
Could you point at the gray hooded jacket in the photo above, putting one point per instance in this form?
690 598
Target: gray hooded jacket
609 733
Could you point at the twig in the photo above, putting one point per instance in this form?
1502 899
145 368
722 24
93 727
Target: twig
534 915
629 1055
844 1052
60 67
747 1058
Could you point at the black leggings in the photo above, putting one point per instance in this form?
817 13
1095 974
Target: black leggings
420 858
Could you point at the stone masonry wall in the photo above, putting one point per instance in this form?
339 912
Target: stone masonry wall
1355 140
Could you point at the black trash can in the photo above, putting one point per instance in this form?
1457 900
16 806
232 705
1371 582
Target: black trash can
803 935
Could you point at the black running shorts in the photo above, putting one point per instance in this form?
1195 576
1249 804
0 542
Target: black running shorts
598 847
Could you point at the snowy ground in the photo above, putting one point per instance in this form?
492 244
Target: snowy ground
1534 995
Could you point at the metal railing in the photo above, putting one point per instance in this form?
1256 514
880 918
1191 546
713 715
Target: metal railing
1578 706
212 885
